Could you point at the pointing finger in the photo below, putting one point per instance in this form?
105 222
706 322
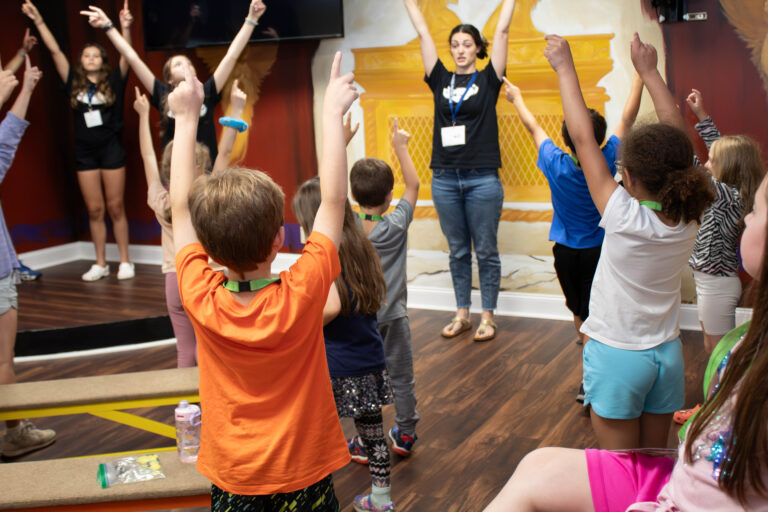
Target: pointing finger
27 64
336 66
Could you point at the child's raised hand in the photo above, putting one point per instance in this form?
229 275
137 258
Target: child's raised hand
187 98
558 53
511 91
29 42
400 137
237 97
8 83
32 75
96 17
31 11
256 10
141 103
643 56
696 102
349 130
341 93
126 18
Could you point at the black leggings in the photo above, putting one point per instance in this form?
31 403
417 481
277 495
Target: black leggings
318 497
370 428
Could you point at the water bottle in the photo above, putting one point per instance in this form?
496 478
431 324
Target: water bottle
187 431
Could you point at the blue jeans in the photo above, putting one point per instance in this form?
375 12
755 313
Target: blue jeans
468 204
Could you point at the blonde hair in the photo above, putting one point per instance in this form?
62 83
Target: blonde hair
737 162
202 160
237 214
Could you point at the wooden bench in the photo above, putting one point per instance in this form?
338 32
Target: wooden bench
68 485
103 396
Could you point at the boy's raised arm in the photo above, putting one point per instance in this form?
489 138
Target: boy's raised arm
645 60
515 97
631 108
599 180
333 163
185 101
410 176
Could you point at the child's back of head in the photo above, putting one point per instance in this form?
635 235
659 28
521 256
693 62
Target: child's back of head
598 125
360 265
735 160
660 157
371 180
237 214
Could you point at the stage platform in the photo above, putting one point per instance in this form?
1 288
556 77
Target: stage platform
61 313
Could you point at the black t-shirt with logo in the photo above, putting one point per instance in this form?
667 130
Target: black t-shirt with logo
477 114
206 128
111 115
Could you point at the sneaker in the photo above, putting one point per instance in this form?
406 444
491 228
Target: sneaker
684 415
126 270
26 438
580 394
357 450
96 272
27 274
363 503
402 444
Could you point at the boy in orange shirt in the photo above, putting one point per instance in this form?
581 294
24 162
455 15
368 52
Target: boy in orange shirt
270 432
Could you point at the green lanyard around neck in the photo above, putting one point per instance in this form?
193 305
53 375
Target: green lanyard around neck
368 216
249 286
653 205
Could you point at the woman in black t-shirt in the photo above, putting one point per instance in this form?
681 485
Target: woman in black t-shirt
173 74
466 189
96 95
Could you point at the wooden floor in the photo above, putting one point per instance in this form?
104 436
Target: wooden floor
61 299
483 407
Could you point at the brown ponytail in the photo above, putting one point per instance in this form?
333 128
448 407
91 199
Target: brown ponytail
660 157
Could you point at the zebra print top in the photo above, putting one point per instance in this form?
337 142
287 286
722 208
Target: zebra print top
715 251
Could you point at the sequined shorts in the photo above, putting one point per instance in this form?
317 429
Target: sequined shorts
363 394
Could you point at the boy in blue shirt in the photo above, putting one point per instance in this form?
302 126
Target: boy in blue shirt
575 222
371 182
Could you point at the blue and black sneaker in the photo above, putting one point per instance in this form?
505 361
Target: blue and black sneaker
402 444
27 274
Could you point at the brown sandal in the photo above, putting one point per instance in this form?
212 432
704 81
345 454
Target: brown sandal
464 325
480 334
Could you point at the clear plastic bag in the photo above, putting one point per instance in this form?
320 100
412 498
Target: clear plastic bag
130 469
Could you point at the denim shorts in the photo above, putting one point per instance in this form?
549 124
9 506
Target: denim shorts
622 384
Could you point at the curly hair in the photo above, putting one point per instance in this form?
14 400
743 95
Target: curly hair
660 157
81 84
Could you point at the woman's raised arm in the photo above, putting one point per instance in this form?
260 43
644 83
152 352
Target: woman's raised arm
428 48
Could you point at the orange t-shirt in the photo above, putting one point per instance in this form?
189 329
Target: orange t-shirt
269 417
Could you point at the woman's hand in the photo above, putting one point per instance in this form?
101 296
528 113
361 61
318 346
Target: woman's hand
126 18
31 11
256 10
96 17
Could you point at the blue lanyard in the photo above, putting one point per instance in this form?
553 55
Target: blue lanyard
455 111
91 94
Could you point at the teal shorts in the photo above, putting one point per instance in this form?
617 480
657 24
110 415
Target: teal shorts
622 384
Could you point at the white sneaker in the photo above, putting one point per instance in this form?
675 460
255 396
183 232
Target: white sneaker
126 270
96 272
26 438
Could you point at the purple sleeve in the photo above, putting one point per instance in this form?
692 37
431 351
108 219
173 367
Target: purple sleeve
11 130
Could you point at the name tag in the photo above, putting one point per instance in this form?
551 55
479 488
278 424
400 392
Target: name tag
93 118
453 135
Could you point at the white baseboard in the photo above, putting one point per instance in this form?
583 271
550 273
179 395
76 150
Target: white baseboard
531 305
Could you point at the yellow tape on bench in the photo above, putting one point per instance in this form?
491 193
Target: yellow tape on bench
138 422
95 407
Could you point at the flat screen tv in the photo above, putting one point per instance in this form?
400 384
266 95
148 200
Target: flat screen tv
176 24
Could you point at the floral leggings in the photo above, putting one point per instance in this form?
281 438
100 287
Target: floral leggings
370 428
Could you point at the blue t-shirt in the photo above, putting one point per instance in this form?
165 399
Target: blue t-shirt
576 220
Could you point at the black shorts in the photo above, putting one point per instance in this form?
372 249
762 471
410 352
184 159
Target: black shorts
575 269
109 155
318 497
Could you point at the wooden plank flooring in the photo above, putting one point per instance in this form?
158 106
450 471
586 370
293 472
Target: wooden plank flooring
61 299
483 407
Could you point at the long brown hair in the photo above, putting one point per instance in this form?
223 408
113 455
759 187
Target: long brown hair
360 265
747 446
739 165
660 157
81 84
